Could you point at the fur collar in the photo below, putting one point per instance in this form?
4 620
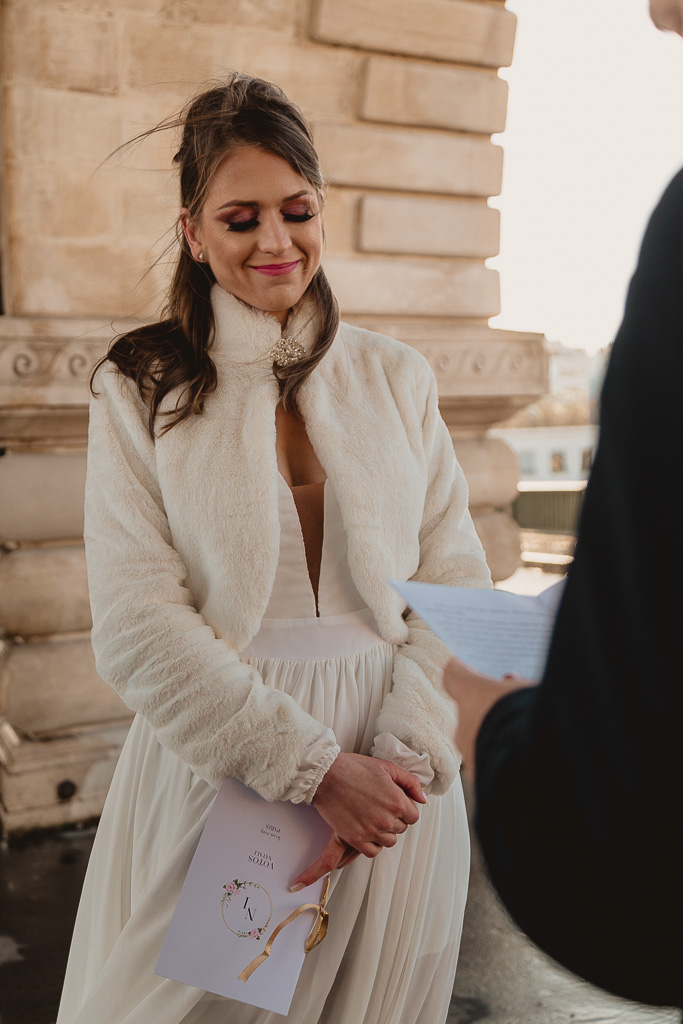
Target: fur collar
247 335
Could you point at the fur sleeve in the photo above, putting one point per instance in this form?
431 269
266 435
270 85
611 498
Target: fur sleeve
151 645
417 710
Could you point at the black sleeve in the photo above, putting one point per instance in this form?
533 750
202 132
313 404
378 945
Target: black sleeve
579 780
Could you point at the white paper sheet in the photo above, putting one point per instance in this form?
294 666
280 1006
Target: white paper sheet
237 892
492 631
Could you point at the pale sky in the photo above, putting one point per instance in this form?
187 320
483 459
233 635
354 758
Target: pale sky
594 134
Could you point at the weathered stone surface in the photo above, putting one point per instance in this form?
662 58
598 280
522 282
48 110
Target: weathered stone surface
454 30
93 278
319 79
499 535
404 92
491 469
47 496
29 795
431 227
420 161
70 205
414 287
44 590
266 14
50 126
341 216
78 51
49 687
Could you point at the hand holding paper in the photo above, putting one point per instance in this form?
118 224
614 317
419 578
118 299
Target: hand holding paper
493 631
475 695
501 641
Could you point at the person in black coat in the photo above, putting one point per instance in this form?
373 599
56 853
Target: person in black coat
579 780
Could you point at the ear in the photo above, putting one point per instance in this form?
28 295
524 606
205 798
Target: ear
192 232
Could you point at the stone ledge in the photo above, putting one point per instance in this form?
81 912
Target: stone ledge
436 287
461 31
51 686
414 160
430 227
44 589
433 96
47 360
32 770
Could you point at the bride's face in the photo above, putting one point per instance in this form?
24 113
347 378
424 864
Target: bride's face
260 230
667 15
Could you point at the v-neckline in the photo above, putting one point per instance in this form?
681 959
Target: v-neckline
315 594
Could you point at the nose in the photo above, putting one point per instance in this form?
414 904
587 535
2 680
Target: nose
273 234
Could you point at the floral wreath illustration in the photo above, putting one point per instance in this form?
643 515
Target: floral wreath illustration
231 888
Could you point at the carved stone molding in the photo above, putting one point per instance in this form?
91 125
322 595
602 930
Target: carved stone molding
484 375
47 362
44 369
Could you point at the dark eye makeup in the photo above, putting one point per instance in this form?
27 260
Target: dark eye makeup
247 225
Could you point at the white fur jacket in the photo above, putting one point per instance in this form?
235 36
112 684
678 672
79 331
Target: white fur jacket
182 539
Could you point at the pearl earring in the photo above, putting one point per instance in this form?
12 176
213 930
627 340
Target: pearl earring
200 256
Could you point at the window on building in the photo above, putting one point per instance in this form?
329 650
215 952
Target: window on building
586 460
527 462
558 462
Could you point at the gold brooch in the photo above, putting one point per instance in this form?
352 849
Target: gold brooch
287 351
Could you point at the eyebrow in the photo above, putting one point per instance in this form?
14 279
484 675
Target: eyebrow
251 202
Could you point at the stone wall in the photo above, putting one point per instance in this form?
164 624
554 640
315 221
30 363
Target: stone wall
403 99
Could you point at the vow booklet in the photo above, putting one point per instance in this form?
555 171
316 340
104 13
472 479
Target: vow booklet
492 631
236 895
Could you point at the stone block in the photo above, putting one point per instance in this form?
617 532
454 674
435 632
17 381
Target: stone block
320 80
78 51
491 469
72 204
53 686
461 31
341 217
414 287
73 278
49 126
29 785
433 96
430 227
265 14
417 161
43 590
47 496
500 537
149 203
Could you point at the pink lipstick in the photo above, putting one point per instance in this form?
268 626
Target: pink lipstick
276 269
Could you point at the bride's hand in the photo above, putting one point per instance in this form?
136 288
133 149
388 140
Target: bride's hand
367 802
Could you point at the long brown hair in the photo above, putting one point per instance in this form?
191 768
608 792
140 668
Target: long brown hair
173 353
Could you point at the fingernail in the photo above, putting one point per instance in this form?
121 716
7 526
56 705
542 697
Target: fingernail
297 888
425 796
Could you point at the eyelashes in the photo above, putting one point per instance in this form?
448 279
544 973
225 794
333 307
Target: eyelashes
247 225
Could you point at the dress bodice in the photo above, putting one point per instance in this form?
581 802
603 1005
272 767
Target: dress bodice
293 594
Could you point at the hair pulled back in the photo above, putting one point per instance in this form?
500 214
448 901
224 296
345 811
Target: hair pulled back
174 352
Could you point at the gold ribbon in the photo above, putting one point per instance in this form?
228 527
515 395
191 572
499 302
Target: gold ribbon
316 935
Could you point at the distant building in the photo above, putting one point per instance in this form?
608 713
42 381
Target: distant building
562 452
555 438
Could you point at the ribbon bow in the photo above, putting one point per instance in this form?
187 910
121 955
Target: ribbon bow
316 935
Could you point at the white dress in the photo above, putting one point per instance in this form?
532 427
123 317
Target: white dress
395 921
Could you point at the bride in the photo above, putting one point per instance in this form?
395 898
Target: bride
257 472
